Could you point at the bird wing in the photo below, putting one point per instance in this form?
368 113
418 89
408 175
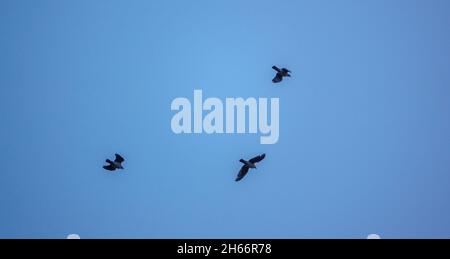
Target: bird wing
276 68
277 78
242 172
109 167
119 159
257 159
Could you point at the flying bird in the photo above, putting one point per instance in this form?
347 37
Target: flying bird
116 164
247 165
280 74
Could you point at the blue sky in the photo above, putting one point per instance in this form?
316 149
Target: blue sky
364 119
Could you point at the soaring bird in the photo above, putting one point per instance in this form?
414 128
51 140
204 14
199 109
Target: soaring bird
247 165
280 74
116 164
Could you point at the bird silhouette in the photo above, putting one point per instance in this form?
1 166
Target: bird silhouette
116 164
247 165
280 74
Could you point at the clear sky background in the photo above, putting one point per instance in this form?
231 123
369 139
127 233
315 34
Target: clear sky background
364 120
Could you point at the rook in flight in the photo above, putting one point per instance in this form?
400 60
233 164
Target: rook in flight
247 165
116 164
280 74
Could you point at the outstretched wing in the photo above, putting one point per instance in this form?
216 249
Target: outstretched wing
257 159
109 167
242 172
119 159
277 78
276 68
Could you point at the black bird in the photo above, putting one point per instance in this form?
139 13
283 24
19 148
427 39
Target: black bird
116 164
247 165
280 74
